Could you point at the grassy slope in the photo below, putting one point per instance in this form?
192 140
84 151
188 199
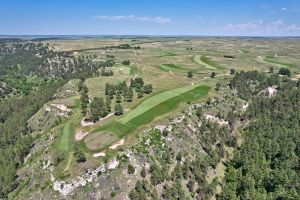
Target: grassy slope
154 101
148 110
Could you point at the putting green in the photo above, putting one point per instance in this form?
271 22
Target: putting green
100 139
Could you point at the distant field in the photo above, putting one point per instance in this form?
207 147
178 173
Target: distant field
147 111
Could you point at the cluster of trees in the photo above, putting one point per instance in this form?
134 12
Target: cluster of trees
140 87
251 83
285 72
119 90
267 164
84 97
98 109
16 140
126 62
75 67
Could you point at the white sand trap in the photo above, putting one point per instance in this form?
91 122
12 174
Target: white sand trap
100 154
86 123
80 135
120 143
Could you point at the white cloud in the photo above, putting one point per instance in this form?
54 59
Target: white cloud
158 19
244 26
260 26
293 27
284 9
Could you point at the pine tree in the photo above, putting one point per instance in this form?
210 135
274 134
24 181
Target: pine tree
129 95
107 88
118 97
108 104
118 109
140 94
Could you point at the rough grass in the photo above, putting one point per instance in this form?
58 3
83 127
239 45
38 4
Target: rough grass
146 112
67 140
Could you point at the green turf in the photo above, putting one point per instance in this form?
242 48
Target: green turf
66 141
176 68
98 140
165 54
203 60
281 64
133 70
126 70
151 108
154 101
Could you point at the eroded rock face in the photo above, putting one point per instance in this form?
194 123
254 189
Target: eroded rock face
65 188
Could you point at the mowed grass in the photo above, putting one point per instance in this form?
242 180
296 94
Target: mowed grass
99 139
176 68
280 63
157 99
145 113
67 141
166 54
203 60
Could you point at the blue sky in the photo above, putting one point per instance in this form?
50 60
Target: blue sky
151 17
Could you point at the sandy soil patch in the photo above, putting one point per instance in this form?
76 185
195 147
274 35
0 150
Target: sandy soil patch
116 145
100 154
80 135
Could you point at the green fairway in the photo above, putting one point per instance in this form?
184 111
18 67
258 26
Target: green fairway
176 68
280 63
277 63
66 141
165 54
203 60
156 100
146 112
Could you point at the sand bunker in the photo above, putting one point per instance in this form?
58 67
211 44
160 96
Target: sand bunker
80 135
120 143
100 154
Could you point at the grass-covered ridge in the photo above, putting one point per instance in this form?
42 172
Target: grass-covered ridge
148 110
